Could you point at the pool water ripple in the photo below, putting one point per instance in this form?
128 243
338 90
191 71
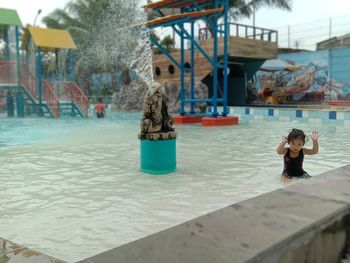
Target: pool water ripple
72 188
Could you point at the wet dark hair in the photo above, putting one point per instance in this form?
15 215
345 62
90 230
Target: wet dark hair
99 100
296 134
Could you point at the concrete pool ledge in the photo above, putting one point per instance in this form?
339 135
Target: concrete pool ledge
305 222
14 253
308 221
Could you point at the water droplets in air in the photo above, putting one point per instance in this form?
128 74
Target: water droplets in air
118 44
142 59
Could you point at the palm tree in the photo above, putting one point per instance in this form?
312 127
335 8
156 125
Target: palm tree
245 8
94 25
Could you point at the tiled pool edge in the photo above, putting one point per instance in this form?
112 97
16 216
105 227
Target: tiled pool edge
305 222
321 116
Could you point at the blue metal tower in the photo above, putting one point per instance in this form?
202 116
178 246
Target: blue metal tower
190 12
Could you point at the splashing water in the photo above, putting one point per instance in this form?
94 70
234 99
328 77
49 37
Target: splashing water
142 59
115 41
131 45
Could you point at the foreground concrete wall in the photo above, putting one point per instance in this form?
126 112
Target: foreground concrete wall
304 222
326 245
13 253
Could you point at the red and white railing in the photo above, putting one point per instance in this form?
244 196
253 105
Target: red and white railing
71 91
50 97
8 72
29 81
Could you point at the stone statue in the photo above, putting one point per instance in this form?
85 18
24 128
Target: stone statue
156 123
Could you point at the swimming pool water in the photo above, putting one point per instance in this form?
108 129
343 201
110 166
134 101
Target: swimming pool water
71 187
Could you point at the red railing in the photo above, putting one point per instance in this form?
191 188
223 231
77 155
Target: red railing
71 91
8 72
29 81
50 97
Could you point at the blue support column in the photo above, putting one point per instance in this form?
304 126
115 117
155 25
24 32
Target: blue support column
182 63
17 58
27 48
192 70
7 46
215 67
40 84
226 43
71 65
200 49
10 107
213 59
20 104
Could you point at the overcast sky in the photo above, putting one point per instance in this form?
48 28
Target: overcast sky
28 9
303 11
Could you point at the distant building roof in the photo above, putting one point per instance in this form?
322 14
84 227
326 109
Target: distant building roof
9 17
334 42
291 50
48 39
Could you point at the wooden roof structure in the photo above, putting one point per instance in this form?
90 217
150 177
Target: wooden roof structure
9 17
189 15
174 3
48 39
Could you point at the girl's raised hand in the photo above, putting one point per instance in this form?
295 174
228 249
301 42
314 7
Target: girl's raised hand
315 135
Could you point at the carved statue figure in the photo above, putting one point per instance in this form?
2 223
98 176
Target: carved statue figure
156 123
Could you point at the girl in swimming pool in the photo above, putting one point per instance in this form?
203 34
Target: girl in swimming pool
294 154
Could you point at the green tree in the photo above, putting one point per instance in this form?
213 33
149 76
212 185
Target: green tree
168 43
95 26
106 90
240 9
245 8
154 36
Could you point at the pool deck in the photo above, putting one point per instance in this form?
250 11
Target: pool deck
308 221
319 107
304 222
325 107
15 253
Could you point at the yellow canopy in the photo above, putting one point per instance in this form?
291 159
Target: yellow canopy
48 39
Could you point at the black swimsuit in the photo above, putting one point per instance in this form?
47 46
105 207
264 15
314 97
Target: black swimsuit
293 167
100 115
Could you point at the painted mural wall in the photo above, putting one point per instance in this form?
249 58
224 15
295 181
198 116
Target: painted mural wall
305 77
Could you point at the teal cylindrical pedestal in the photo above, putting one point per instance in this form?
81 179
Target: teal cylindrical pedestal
158 157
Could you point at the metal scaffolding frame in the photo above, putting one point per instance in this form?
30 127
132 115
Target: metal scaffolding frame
191 11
